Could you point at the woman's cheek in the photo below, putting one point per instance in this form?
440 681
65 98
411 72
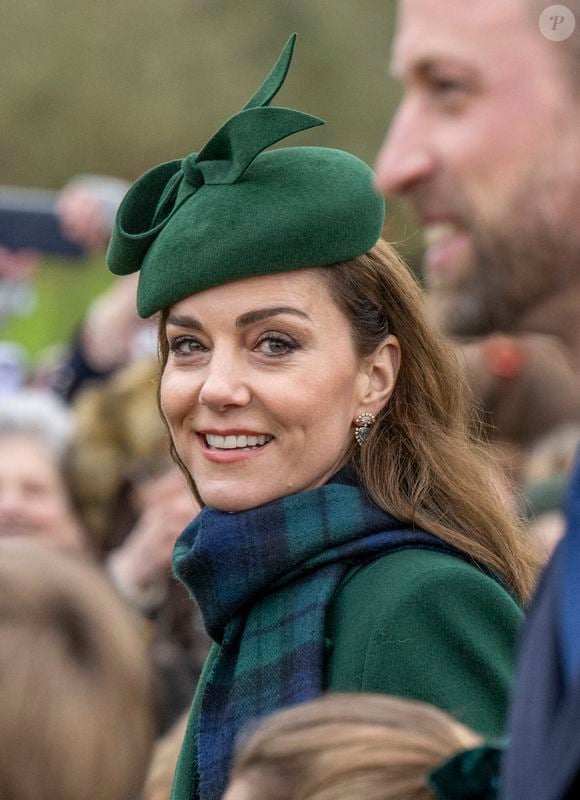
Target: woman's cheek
175 396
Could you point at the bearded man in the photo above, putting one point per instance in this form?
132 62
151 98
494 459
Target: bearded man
485 146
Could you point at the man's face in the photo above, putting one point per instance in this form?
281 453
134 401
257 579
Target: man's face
485 147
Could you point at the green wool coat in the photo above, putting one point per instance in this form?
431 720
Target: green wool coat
417 624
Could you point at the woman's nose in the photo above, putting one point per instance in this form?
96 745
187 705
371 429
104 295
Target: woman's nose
12 501
226 383
404 160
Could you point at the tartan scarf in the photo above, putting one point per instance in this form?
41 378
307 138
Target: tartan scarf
263 579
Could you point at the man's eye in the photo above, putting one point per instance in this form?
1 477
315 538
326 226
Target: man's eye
276 346
447 86
450 92
185 346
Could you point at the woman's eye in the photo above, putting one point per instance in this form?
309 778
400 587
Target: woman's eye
276 346
185 346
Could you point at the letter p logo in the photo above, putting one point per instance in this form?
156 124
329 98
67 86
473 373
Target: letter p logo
557 23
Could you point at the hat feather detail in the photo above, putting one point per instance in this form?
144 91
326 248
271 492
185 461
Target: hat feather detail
158 194
229 153
275 79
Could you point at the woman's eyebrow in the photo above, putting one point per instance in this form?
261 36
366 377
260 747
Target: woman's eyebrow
184 322
249 318
263 313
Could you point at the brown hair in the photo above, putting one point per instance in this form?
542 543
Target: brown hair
75 710
422 461
118 437
372 747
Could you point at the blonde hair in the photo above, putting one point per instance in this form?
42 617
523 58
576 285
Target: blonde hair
423 461
75 699
369 747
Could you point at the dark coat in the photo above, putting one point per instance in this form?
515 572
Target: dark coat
543 757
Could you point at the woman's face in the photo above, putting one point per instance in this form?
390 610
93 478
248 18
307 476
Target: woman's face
261 388
33 496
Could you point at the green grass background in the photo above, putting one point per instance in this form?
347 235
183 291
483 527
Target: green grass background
115 88
64 291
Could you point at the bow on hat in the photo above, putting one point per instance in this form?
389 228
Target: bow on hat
159 193
468 775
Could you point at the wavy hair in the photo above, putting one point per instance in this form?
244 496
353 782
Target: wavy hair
424 461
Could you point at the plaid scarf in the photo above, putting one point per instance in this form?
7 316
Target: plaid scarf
263 579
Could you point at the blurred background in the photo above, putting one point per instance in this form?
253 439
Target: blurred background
94 94
112 89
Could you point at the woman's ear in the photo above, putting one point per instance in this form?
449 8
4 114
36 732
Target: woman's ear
382 370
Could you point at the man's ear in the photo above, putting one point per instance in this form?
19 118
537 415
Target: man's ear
382 370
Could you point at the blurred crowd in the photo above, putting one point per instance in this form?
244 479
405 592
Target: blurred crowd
86 471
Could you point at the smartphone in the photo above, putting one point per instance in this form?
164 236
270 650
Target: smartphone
28 220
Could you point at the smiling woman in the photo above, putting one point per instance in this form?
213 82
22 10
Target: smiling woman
351 532
258 404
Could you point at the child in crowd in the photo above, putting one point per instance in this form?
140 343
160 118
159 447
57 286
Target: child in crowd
368 747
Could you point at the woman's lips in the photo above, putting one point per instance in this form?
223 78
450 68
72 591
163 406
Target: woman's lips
229 454
238 440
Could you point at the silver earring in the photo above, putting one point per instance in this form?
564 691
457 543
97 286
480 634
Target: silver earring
363 423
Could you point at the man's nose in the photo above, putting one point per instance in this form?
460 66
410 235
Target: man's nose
226 382
404 160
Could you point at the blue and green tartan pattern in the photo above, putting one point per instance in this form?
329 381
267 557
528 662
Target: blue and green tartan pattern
263 579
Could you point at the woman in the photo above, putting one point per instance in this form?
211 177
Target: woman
351 538
35 499
367 747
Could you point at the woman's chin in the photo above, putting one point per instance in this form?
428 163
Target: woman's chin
233 506
232 497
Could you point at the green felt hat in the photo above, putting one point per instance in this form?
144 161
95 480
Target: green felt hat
233 211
